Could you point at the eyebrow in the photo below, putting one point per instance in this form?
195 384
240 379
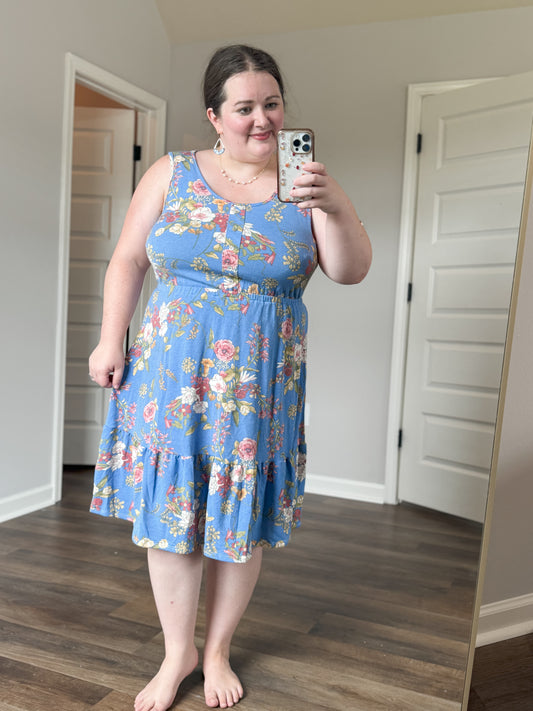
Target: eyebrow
250 101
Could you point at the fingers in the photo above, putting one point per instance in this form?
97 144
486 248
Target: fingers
314 167
108 375
106 365
116 377
315 188
311 195
307 204
308 187
104 380
312 184
311 178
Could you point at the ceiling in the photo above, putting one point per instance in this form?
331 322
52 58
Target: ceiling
189 21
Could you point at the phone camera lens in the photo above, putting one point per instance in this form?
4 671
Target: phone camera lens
306 138
306 148
296 143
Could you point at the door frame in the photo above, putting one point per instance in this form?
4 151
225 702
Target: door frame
415 96
151 133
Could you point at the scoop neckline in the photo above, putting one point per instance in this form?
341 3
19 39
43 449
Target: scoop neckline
273 197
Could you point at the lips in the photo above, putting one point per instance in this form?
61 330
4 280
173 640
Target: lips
261 136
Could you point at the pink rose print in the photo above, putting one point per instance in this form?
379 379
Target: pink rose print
241 391
223 483
221 221
201 385
155 320
149 411
172 216
138 474
97 503
247 448
224 350
218 384
230 259
286 328
237 475
203 214
199 188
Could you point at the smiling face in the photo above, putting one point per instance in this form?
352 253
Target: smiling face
250 116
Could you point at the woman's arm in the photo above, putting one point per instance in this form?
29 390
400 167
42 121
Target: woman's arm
344 250
125 274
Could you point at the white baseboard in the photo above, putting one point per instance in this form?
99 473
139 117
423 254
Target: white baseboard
344 488
27 502
38 498
505 619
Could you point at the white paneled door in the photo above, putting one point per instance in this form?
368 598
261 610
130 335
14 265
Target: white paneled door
102 180
471 181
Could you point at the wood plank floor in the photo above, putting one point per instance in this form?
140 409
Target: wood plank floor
368 609
502 676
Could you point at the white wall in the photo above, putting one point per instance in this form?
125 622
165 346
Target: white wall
350 85
125 37
509 571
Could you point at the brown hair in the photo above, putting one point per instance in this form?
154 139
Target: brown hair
231 60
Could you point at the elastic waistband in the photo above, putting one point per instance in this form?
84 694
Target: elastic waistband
193 292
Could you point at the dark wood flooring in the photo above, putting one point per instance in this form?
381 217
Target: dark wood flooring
502 676
368 609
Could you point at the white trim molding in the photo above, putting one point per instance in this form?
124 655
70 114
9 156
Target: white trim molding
344 488
153 110
26 502
415 96
505 619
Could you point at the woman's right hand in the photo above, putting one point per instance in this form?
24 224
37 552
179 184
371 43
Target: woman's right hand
106 365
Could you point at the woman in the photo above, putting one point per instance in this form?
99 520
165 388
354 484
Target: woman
203 448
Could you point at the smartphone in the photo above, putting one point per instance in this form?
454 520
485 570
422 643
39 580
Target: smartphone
296 146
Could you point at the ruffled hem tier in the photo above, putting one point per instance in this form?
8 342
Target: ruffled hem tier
185 503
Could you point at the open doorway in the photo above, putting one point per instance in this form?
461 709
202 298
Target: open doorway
104 150
96 229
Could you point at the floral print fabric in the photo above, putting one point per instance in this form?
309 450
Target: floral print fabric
204 440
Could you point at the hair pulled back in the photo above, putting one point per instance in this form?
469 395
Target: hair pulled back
231 60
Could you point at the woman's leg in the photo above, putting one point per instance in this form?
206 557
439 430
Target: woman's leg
176 583
228 592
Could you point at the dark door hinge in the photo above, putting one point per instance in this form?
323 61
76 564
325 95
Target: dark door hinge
136 153
419 143
400 437
409 292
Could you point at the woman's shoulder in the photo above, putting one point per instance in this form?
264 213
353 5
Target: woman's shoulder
163 169
177 157
184 162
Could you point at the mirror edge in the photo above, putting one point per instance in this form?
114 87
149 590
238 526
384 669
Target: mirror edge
528 187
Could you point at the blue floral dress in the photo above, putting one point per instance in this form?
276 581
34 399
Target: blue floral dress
204 440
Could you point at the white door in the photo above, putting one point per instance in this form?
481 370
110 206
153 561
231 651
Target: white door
102 183
471 182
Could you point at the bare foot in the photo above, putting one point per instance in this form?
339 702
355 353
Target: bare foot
159 694
222 687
